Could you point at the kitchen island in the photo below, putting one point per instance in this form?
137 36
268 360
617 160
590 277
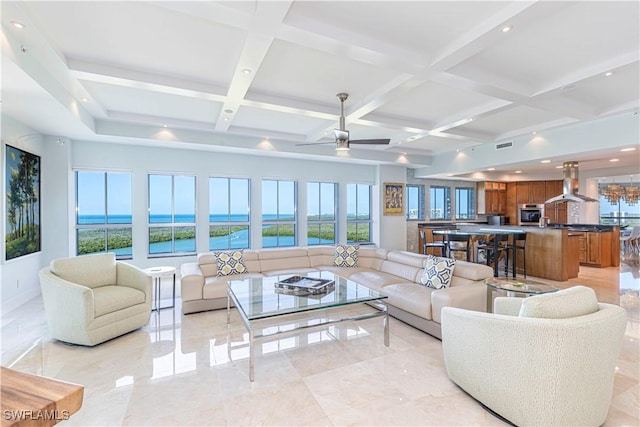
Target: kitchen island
549 254
556 252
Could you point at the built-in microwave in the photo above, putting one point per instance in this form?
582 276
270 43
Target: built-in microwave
530 214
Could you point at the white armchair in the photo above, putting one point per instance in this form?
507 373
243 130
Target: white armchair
93 298
546 360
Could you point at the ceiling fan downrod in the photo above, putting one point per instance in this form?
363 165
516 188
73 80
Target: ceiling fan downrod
342 97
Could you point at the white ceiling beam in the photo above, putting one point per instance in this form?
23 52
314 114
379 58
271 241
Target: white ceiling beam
117 76
588 72
262 30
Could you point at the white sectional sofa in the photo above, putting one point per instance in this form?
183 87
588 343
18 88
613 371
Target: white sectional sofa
392 272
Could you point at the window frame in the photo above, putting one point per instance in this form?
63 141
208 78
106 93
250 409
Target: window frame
470 205
357 222
173 225
421 205
105 227
278 223
320 222
446 208
230 223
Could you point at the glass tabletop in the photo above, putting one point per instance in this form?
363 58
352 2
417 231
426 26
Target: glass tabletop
259 298
522 286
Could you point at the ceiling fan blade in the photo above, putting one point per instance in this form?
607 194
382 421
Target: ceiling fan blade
370 141
317 143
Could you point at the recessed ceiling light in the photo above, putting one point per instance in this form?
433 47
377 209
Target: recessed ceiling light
545 161
506 28
518 171
534 132
608 74
83 99
17 24
628 149
226 119
267 138
246 71
491 169
614 160
559 167
228 111
165 126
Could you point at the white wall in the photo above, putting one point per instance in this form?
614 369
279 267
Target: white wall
19 276
393 228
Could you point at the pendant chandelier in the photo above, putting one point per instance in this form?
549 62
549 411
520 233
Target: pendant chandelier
631 193
628 193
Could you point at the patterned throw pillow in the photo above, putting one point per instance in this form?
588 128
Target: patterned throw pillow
438 272
346 256
230 262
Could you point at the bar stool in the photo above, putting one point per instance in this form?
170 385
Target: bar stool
458 238
442 245
519 242
502 247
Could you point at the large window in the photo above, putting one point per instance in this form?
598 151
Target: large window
358 213
415 202
618 213
465 203
321 213
172 214
439 202
278 213
104 213
228 213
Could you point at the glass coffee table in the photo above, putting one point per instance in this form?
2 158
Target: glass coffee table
514 287
259 299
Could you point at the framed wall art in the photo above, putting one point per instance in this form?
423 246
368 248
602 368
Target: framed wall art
22 226
393 198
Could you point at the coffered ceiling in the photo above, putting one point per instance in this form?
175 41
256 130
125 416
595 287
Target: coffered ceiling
435 77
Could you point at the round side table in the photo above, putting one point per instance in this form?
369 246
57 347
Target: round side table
514 288
158 273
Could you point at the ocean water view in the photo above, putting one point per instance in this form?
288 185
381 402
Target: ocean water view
90 240
166 218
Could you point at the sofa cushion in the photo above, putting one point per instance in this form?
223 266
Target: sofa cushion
282 259
438 272
410 297
571 302
346 256
230 262
89 270
472 271
375 280
404 271
111 298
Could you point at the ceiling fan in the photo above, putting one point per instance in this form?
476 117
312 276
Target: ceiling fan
342 135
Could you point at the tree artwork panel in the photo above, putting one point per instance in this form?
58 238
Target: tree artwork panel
22 203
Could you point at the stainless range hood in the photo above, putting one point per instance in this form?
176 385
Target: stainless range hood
570 186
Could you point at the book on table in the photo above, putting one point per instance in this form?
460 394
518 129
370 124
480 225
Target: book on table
302 285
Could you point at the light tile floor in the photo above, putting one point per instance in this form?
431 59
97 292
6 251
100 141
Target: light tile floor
193 370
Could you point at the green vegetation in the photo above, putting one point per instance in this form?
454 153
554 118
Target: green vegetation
221 231
28 242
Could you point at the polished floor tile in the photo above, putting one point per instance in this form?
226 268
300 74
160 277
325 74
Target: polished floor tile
194 370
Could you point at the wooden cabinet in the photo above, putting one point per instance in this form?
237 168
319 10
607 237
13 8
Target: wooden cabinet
595 249
492 198
556 212
531 192
552 189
